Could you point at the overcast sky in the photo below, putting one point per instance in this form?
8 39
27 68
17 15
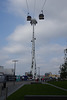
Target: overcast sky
16 34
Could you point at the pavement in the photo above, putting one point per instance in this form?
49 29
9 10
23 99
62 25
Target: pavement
11 88
56 86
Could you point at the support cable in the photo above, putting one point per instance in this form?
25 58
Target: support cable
27 6
34 8
43 5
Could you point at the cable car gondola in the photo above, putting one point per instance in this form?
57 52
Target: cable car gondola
41 16
28 18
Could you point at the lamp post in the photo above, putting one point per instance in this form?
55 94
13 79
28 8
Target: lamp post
39 72
14 68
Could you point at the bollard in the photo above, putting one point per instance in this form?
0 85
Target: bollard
6 92
4 84
0 90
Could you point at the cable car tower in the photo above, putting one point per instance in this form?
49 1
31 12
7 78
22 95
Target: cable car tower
33 22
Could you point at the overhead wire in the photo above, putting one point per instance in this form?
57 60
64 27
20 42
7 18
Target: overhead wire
43 5
34 8
27 6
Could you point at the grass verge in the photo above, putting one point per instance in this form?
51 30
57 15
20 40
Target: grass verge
62 84
35 89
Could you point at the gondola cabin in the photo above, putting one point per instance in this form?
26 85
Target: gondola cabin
28 18
41 16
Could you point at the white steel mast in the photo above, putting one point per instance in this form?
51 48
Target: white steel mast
33 65
33 22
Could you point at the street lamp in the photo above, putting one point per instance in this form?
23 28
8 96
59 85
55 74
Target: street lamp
14 68
39 72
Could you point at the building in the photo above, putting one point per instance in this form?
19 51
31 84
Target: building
6 71
50 75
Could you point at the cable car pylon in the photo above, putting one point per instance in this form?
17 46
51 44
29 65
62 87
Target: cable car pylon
33 22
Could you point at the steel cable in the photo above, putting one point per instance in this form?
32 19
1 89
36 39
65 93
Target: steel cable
27 6
43 5
34 8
